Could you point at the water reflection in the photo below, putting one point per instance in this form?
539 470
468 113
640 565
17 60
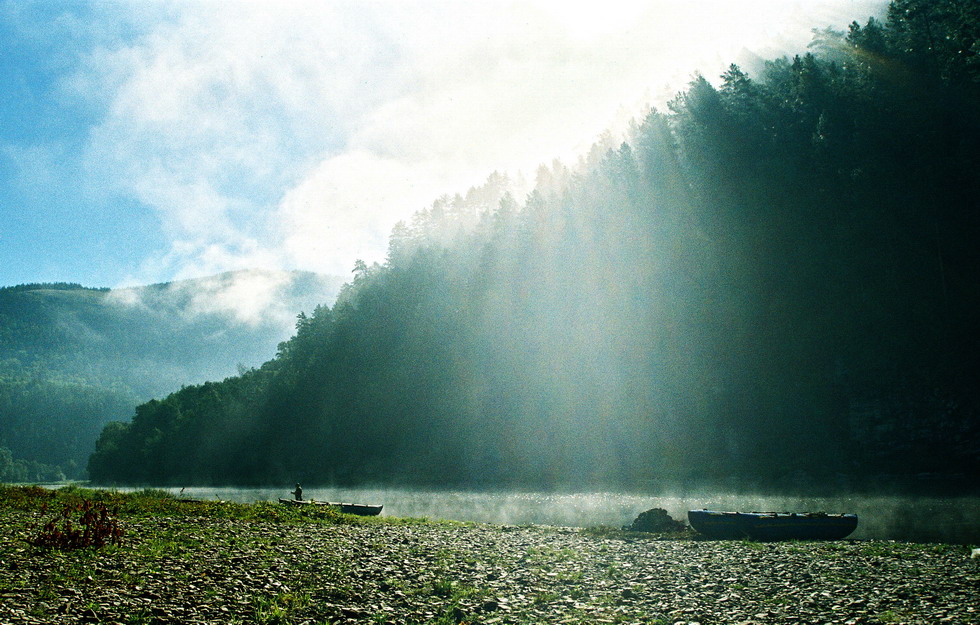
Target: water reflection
881 517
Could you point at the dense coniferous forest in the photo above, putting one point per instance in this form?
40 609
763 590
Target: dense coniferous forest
73 359
773 283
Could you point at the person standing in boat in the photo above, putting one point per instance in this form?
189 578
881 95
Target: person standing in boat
298 493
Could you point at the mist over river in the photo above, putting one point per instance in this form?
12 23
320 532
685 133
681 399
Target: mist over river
883 517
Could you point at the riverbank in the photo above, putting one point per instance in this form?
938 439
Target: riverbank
214 563
882 517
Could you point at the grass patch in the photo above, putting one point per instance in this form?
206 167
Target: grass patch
155 502
889 616
278 609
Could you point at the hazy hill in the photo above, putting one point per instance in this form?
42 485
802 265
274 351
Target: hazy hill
74 358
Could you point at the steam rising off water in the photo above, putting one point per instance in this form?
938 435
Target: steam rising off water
881 517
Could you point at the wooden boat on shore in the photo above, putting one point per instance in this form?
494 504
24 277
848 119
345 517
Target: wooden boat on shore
766 526
360 509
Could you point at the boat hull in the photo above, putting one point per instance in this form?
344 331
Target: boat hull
359 509
766 526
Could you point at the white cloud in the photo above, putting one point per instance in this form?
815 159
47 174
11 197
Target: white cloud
295 135
211 116
345 209
254 298
249 297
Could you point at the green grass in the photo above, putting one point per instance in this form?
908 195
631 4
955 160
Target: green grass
154 502
453 594
889 616
278 609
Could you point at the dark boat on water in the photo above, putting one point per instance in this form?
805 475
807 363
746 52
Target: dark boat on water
767 526
360 509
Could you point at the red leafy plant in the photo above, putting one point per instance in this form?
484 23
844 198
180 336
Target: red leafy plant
94 527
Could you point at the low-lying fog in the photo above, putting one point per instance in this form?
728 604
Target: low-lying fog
937 519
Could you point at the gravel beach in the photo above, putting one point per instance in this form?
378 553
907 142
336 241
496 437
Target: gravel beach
212 570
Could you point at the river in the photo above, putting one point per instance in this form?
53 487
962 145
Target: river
930 519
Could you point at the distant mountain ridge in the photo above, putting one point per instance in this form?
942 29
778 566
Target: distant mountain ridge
73 358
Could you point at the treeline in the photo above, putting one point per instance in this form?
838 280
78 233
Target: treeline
54 419
20 470
772 283
49 286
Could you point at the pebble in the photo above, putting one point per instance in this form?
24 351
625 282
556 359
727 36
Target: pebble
208 570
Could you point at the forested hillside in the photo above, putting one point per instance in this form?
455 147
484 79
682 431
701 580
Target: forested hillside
770 284
73 359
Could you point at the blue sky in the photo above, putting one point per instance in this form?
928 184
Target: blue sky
46 226
149 141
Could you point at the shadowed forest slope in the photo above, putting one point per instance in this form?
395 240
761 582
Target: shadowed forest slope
772 283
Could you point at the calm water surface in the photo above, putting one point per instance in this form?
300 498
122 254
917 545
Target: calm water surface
880 517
